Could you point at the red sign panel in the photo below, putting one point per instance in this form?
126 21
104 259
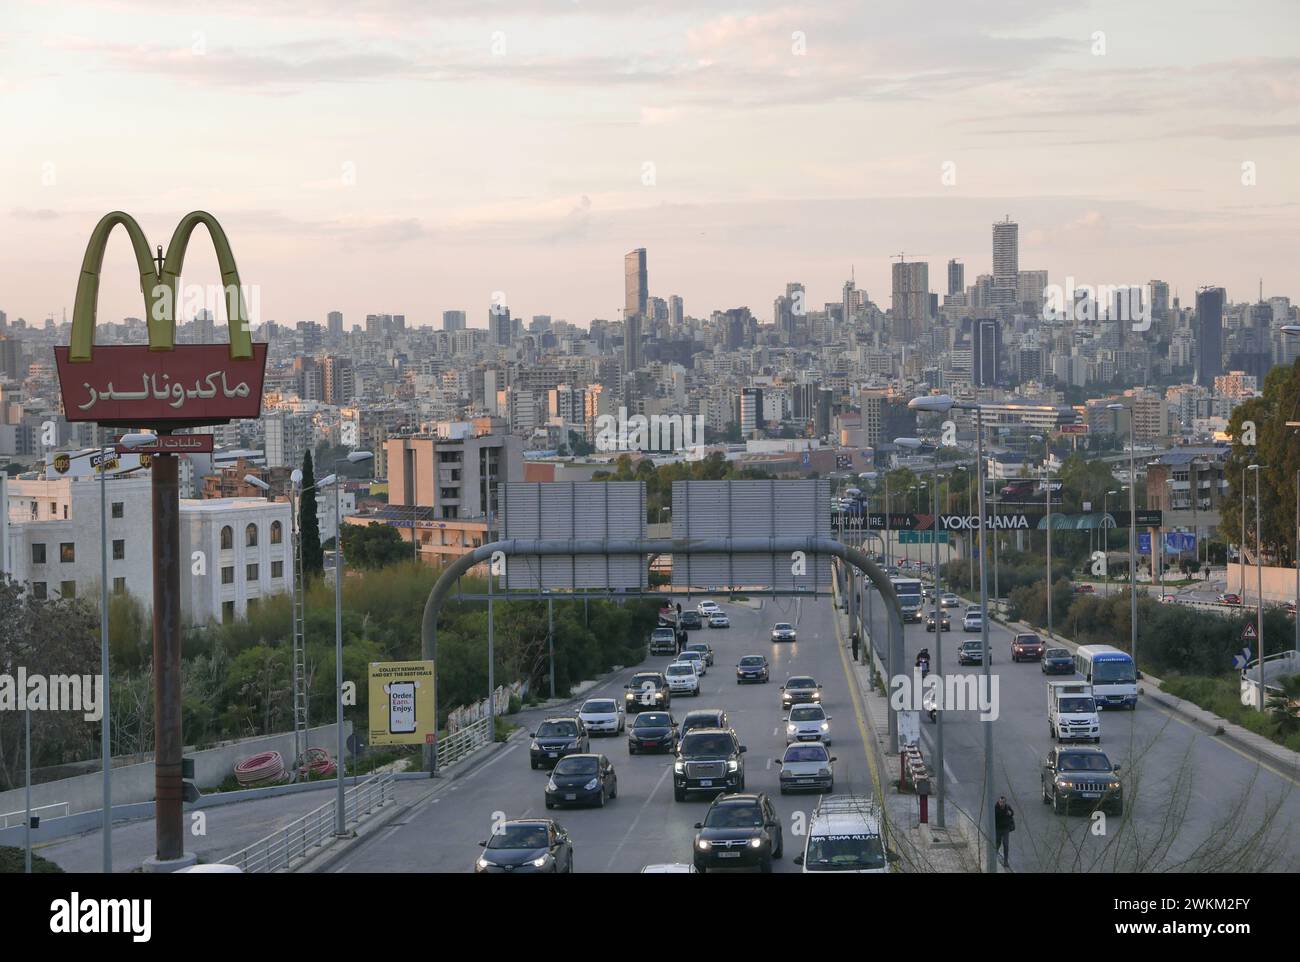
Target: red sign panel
173 444
188 386
1073 428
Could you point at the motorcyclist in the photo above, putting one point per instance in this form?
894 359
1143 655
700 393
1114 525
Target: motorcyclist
923 661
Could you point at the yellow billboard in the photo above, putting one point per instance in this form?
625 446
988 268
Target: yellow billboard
401 702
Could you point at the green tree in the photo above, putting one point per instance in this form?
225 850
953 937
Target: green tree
313 555
373 546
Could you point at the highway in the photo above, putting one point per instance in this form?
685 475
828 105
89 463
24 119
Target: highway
1188 794
644 824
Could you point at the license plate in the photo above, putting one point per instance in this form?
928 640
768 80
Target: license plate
1090 794
706 783
570 798
804 781
647 744
553 754
728 855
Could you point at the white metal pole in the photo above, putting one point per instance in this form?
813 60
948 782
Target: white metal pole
340 822
105 723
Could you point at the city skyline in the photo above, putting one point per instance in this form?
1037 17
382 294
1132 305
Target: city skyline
391 143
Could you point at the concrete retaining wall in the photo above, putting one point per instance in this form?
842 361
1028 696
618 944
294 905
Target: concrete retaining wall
1279 583
135 783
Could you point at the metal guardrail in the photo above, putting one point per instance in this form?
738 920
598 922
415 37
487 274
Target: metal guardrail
465 742
278 851
21 814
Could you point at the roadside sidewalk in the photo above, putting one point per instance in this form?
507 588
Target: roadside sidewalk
1257 746
921 847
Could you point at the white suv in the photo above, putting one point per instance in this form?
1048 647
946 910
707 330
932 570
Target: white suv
973 620
844 836
706 608
682 679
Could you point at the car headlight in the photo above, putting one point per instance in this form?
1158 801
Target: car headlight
1112 784
484 863
590 786
755 843
679 767
733 765
790 729
550 786
816 696
1064 783
824 771
703 844
825 727
539 862
535 747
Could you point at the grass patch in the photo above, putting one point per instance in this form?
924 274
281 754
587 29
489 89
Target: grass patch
12 862
1222 696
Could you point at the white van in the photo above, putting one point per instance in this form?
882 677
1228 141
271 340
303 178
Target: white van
844 836
1072 712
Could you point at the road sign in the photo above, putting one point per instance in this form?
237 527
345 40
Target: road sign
173 444
1240 661
921 537
1248 633
909 728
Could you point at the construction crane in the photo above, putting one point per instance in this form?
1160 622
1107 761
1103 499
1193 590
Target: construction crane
902 257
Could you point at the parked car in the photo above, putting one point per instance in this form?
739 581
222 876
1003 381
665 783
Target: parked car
663 641
1072 775
1026 646
526 846
556 738
807 767
784 631
583 780
652 731
602 716
808 722
945 623
1057 661
690 620
752 668
683 678
646 690
703 648
739 831
971 652
708 760
719 619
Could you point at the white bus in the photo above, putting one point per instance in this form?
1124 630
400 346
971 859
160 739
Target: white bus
1111 673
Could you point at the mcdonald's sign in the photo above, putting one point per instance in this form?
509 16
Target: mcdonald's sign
162 384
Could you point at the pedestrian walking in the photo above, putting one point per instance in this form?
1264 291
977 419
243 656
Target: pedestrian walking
1004 821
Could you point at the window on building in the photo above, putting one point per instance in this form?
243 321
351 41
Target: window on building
119 549
119 586
117 509
228 575
227 538
252 606
38 554
227 612
250 536
277 534
68 589
65 512
277 569
38 590
67 552
250 572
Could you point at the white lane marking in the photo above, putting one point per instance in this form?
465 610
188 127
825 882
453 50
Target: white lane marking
609 866
769 764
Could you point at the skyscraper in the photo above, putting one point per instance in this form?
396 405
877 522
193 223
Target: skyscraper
986 347
675 310
910 299
1006 264
453 320
335 321
500 327
1209 339
956 277
635 300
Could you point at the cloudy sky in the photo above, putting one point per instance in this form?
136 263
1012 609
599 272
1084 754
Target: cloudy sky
418 155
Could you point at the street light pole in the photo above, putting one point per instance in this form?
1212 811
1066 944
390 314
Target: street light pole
105 723
1259 588
340 822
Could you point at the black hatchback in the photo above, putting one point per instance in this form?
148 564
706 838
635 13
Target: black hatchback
1057 661
555 738
751 668
582 780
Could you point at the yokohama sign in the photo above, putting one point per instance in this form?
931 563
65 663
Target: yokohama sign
161 385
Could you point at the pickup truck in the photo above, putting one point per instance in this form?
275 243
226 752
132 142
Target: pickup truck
1072 712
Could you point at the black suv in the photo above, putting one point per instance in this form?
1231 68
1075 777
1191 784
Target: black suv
647 690
690 620
1073 775
800 690
739 831
704 718
556 738
708 760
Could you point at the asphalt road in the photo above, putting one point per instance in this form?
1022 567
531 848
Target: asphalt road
1192 800
644 825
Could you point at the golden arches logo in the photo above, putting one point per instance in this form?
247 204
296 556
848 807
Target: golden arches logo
161 290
